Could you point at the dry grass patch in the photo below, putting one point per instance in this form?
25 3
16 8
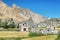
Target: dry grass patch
57 28
10 34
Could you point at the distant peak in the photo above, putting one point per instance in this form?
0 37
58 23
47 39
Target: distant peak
27 9
49 18
14 5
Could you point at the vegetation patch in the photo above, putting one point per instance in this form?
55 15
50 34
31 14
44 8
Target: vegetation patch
10 38
11 29
58 37
50 37
35 34
58 26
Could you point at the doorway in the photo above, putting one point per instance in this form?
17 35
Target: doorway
24 29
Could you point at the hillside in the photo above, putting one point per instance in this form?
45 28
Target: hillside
18 14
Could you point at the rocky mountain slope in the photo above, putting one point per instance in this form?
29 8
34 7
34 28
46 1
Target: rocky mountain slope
18 14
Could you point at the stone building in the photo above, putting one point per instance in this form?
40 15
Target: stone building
26 25
50 30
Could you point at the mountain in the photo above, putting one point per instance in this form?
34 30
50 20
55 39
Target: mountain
18 14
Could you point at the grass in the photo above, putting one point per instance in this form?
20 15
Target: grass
58 26
35 34
16 35
10 38
50 37
11 34
45 28
58 37
10 29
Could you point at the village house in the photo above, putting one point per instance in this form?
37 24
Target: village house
50 30
28 26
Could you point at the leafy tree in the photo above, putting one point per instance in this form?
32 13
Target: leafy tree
5 25
11 25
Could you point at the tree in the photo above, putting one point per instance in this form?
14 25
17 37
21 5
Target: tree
5 25
11 25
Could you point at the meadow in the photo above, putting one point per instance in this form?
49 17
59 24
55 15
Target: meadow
17 35
9 35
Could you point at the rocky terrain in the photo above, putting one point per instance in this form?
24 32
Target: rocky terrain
18 14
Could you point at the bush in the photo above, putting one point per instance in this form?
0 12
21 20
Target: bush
12 25
58 37
58 26
35 34
4 24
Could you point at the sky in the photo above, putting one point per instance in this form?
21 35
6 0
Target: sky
46 8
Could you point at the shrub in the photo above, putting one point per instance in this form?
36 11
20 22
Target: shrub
12 25
58 37
58 26
5 25
35 34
